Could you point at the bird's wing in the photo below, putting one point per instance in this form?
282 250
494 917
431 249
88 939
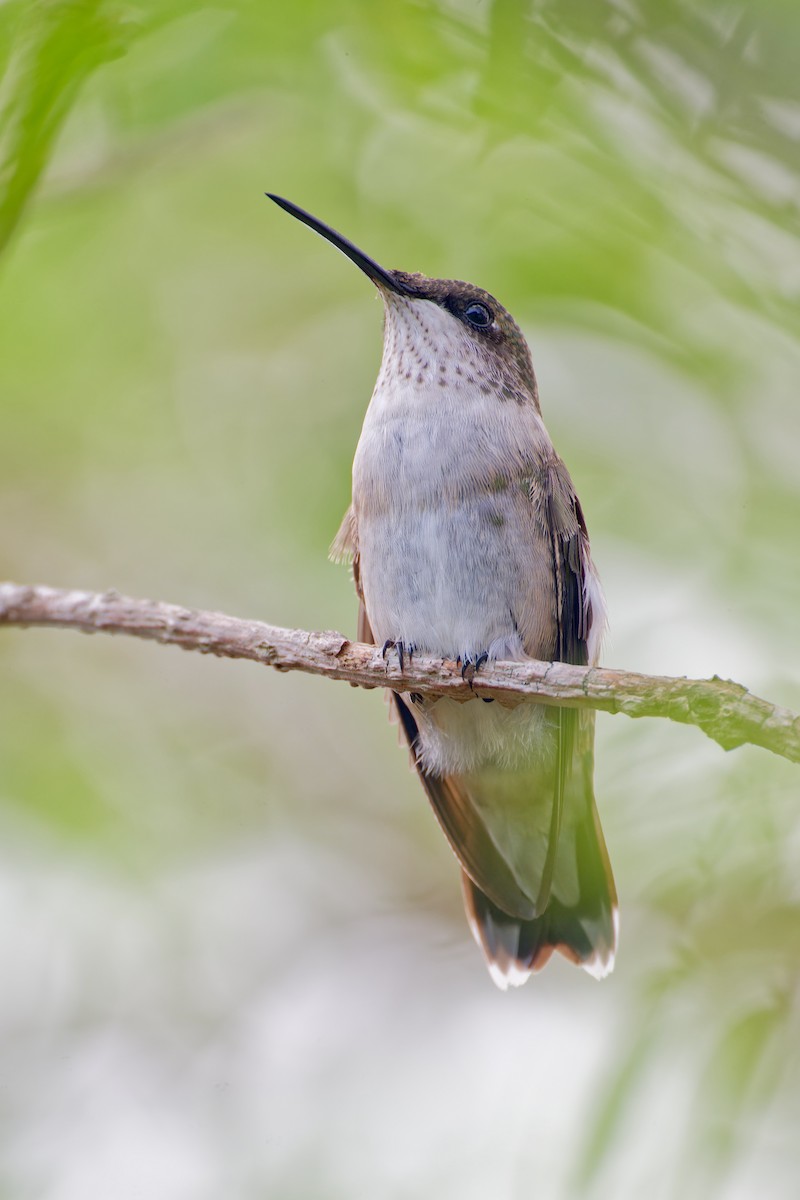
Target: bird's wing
466 829
561 527
344 548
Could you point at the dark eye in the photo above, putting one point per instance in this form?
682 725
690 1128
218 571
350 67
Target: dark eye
478 315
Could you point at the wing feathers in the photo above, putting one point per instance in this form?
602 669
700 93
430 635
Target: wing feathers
466 831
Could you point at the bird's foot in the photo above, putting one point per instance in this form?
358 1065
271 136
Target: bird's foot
404 650
470 666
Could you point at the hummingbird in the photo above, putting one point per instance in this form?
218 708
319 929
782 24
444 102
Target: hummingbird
468 543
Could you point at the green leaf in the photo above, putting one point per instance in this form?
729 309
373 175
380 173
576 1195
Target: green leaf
50 52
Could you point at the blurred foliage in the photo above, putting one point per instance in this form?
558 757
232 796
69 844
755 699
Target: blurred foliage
231 932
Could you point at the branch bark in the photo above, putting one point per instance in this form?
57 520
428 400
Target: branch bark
724 710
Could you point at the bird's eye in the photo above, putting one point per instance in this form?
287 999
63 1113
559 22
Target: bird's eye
478 315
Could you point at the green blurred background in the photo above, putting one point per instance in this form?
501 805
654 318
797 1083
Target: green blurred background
234 961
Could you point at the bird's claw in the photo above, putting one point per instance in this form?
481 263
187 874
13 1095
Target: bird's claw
471 666
404 649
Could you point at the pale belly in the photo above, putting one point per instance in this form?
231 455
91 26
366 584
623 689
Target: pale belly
445 579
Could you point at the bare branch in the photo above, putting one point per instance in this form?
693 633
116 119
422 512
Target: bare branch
724 710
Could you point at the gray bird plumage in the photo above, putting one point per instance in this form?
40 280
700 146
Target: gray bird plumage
468 542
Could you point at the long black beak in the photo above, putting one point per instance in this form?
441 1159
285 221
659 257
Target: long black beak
368 265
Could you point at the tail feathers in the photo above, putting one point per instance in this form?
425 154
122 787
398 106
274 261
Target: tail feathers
499 844
585 932
514 948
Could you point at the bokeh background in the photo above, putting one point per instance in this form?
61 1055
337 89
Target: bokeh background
234 961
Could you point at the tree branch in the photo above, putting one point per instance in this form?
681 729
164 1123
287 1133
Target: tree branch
724 710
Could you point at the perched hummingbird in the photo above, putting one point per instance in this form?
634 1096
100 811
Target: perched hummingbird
468 543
